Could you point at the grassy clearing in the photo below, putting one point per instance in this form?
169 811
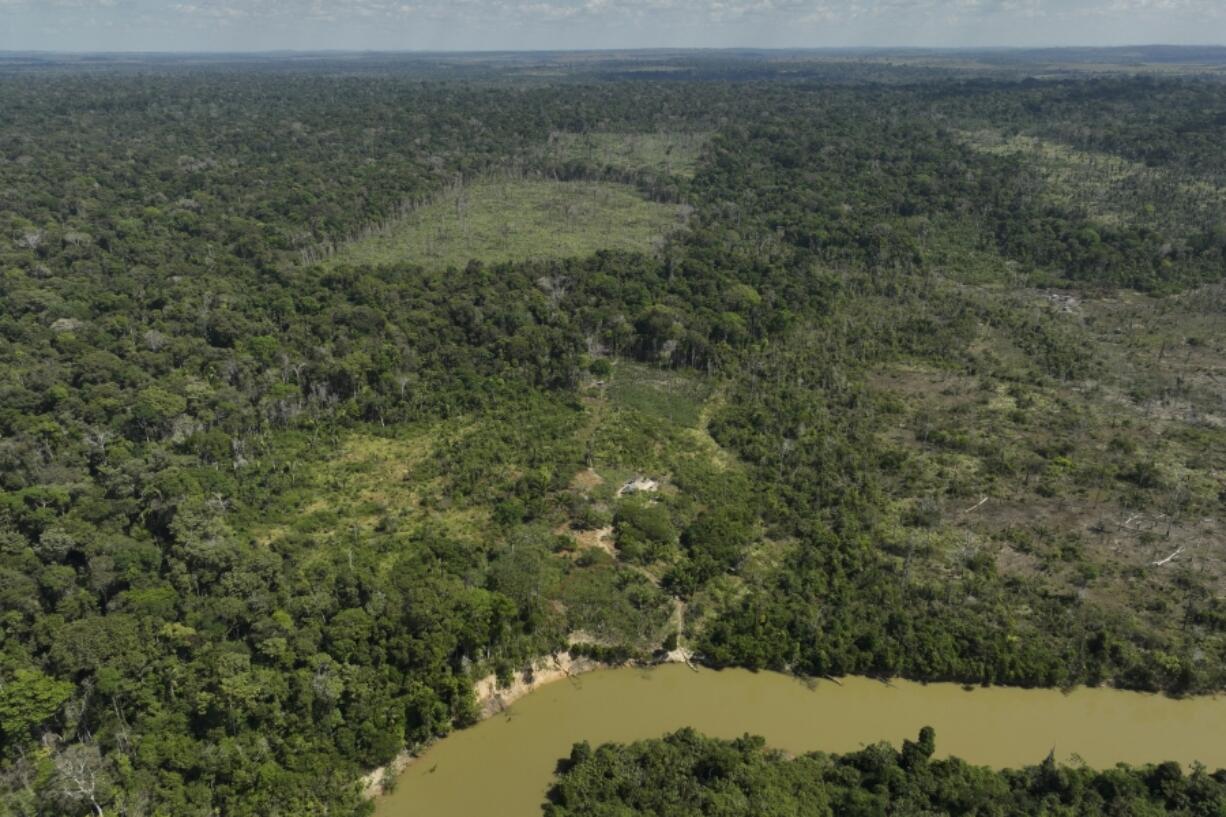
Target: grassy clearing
670 395
1111 189
959 251
511 220
373 485
671 154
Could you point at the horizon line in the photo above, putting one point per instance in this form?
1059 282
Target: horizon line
610 50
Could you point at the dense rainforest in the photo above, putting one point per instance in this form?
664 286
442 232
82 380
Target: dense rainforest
687 775
905 371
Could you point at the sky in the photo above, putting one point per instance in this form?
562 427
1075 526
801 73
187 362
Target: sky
256 25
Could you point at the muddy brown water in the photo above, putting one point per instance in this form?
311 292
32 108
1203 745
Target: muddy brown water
503 766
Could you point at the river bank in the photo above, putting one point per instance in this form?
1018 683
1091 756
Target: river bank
503 766
493 699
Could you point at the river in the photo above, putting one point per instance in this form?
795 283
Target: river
503 766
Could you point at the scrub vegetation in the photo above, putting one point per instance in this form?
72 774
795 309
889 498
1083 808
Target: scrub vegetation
1109 188
287 464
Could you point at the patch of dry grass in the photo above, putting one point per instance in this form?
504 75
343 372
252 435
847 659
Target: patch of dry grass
514 220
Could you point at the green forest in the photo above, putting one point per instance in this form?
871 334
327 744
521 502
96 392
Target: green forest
327 390
687 775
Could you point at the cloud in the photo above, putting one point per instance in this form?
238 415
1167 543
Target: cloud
599 23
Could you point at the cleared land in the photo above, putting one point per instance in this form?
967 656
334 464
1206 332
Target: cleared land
551 470
1111 189
669 395
1107 490
672 154
513 220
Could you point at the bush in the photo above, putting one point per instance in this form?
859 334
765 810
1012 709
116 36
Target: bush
600 367
644 530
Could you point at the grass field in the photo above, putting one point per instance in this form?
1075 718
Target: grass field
673 154
670 395
373 486
512 220
1109 188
